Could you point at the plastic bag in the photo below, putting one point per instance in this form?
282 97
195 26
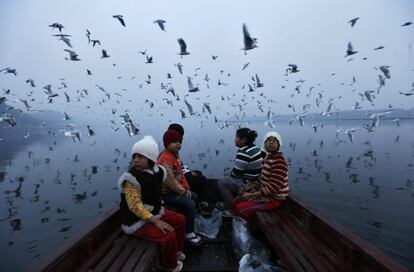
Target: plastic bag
244 242
253 263
208 227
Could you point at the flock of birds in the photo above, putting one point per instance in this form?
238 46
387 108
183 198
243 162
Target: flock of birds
245 99
246 95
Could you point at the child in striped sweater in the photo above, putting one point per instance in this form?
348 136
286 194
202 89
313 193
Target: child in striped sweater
269 191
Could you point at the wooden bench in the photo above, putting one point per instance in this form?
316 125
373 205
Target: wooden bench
101 246
306 240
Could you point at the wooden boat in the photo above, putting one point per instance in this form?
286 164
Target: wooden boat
301 237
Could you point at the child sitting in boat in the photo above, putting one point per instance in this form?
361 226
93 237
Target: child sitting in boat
269 191
142 213
180 195
205 189
246 168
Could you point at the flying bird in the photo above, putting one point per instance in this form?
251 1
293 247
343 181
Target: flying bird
9 70
249 42
180 67
191 87
293 68
350 51
57 25
353 21
95 42
406 24
379 47
183 47
160 23
245 65
120 19
149 59
73 56
104 54
385 70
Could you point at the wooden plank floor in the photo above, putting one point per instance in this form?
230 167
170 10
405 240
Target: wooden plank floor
213 255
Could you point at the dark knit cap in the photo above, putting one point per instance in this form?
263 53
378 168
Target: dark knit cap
177 127
171 136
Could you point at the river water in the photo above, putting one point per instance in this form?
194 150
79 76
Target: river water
51 186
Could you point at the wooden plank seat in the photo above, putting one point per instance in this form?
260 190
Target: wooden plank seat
101 246
306 240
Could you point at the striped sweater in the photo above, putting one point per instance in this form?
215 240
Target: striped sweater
274 176
248 163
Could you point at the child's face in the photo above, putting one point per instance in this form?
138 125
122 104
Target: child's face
272 144
140 162
240 142
174 147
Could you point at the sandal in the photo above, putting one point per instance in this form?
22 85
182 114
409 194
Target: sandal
193 239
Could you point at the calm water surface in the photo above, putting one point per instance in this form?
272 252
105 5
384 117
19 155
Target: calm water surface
50 186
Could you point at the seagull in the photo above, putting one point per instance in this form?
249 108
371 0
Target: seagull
180 67
64 38
349 131
406 24
356 106
66 116
368 95
104 54
143 52
249 42
131 128
88 34
26 104
251 88
293 68
160 23
9 70
407 93
183 47
91 132
245 65
31 82
182 114
75 135
72 55
191 87
214 57
258 83
8 118
88 72
94 42
120 19
385 70
149 59
207 107
189 107
379 47
350 51
57 25
353 21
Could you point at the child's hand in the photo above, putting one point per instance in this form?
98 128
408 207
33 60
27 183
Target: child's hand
162 225
188 193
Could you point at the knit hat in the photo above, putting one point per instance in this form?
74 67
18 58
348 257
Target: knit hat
271 134
171 136
177 127
146 147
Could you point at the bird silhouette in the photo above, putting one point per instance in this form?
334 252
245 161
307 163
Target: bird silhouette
183 47
353 21
160 23
249 42
104 54
120 19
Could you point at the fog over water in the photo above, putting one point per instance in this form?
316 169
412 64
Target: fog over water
358 171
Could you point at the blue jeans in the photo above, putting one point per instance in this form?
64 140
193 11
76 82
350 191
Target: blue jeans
184 205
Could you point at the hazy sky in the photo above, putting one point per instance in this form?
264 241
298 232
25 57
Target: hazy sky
312 34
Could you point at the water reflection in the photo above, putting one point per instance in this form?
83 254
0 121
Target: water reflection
55 186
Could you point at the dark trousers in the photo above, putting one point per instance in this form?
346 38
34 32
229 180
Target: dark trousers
206 189
184 205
